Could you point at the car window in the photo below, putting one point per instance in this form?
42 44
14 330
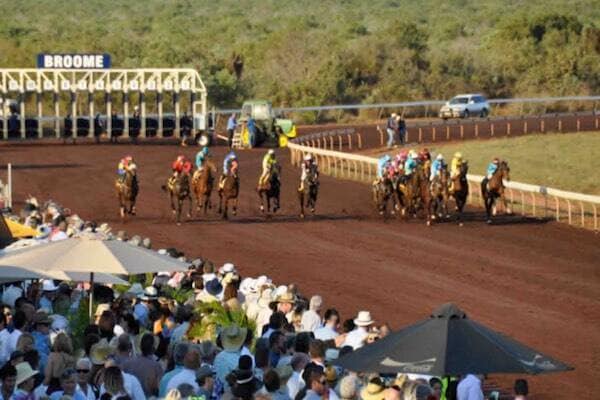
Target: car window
262 111
459 100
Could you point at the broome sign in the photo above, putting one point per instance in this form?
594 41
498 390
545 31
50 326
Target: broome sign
73 61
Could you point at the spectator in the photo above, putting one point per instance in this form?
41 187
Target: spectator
205 378
8 377
329 330
393 393
114 383
311 319
277 347
422 392
374 390
48 295
41 336
521 389
358 336
391 128
349 387
19 322
295 383
316 384
4 340
179 352
25 381
401 123
469 388
436 387
191 363
272 386
246 384
84 369
68 383
144 366
232 338
60 359
251 125
25 342
316 351
124 350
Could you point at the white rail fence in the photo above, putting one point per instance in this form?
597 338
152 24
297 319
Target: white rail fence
528 200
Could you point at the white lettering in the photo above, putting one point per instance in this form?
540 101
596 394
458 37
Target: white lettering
65 85
67 61
168 85
81 85
58 61
48 86
30 85
100 85
151 85
77 61
13 85
47 61
185 85
116 85
99 61
133 85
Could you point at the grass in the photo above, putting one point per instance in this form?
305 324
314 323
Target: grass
561 161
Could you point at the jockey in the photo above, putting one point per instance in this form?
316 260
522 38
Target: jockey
126 165
492 167
455 166
308 164
437 165
269 161
424 155
383 165
228 163
411 163
201 156
177 165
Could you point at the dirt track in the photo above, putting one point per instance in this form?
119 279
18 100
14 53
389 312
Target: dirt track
538 282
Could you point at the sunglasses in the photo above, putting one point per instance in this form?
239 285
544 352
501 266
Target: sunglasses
83 371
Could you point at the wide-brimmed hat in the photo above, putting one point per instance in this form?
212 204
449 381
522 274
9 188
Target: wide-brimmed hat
287 297
213 287
24 372
49 286
373 391
363 319
226 268
150 293
266 297
136 289
41 317
232 337
101 308
100 352
247 286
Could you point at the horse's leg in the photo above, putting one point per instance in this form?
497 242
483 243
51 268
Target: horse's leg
262 206
235 204
189 215
505 202
301 199
220 202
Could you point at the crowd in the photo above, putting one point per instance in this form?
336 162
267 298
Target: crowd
207 332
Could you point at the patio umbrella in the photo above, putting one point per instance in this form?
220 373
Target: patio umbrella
13 274
91 254
449 343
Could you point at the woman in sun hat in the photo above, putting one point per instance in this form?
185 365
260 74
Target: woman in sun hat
25 382
232 339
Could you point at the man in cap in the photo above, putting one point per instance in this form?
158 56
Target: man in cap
230 167
205 378
48 295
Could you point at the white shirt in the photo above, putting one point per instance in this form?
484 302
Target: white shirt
310 321
326 333
185 376
4 339
469 388
12 341
89 394
60 235
295 384
356 338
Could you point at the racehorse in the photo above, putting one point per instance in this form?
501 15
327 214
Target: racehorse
439 194
270 189
310 190
202 185
423 194
179 190
460 189
127 191
229 191
493 189
383 192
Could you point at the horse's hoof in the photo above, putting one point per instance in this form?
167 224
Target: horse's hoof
509 211
262 209
461 224
312 210
433 217
428 223
301 216
447 216
489 222
179 224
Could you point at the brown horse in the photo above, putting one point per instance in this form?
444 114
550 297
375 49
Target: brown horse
439 194
270 189
422 191
229 190
127 191
202 185
309 191
493 189
460 189
179 190
383 192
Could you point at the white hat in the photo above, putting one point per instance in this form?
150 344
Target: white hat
49 286
150 293
226 268
162 252
247 286
266 297
271 152
262 280
280 290
440 157
136 289
11 294
363 319
24 372
308 157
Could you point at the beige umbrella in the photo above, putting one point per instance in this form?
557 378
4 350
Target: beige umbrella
12 274
91 254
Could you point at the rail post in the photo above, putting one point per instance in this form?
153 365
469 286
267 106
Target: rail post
340 142
569 208
462 131
476 130
578 124
447 132
595 217
433 133
557 208
525 127
542 127
560 125
349 142
9 183
582 214
507 128
492 129
532 203
420 135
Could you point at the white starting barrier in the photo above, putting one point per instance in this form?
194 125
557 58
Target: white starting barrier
537 201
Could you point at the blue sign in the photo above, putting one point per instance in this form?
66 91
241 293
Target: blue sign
73 61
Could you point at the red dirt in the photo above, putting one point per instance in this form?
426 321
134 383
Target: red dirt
537 282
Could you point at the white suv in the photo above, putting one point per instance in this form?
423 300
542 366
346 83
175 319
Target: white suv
465 106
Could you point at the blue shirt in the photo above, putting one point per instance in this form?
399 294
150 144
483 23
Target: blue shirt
227 161
77 396
382 164
199 159
226 362
491 169
231 123
164 381
251 125
42 345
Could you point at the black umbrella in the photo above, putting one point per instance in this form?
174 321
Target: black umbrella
448 343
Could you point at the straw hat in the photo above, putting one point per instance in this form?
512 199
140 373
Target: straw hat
41 317
232 337
287 297
374 390
363 319
101 308
100 351
150 293
24 372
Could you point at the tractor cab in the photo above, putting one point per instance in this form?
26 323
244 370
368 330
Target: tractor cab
270 131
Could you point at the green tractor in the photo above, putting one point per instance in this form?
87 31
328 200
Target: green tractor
270 130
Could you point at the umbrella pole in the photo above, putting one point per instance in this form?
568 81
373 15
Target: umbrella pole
91 294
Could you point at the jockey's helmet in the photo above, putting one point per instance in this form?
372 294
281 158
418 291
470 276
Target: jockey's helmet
414 155
271 152
439 157
128 158
205 150
458 155
308 157
496 160
180 157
